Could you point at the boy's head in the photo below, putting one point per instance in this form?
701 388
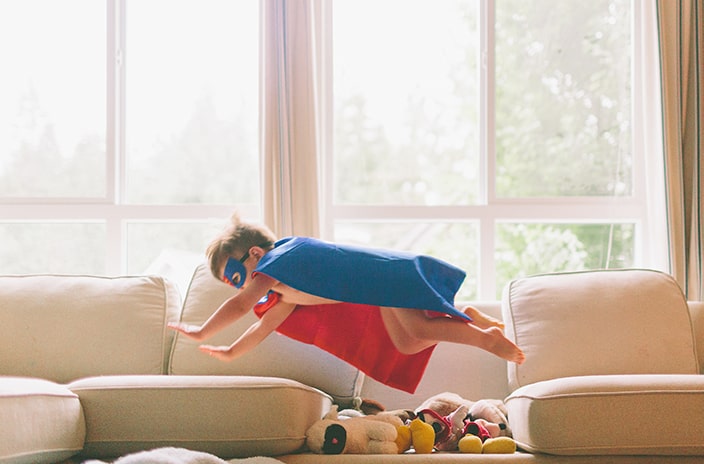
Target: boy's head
235 241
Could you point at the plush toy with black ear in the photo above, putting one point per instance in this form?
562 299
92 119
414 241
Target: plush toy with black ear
357 435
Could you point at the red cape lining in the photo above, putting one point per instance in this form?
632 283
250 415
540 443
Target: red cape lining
356 334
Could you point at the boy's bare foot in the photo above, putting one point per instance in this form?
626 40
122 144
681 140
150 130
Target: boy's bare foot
481 320
502 347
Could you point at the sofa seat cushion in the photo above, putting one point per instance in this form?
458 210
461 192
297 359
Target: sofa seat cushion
610 414
229 416
40 421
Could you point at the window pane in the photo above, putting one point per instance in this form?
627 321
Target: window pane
192 101
62 248
526 249
455 242
52 98
563 96
406 102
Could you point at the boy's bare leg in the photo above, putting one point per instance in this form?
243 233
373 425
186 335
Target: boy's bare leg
482 320
411 331
405 342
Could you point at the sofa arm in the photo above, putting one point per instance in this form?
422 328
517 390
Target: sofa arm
696 310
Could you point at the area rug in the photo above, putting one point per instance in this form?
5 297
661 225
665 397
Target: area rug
182 456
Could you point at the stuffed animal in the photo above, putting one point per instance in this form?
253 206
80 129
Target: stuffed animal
169 455
404 438
468 426
474 444
493 411
422 436
456 432
374 434
448 429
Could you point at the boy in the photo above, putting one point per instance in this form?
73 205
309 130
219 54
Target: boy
382 311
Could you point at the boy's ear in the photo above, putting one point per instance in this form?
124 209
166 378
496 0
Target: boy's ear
257 252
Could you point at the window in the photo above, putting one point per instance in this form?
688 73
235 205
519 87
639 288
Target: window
128 130
498 135
504 136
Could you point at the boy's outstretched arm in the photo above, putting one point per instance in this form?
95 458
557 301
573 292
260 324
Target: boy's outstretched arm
254 335
230 311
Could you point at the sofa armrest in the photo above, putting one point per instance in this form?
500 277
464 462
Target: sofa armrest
696 310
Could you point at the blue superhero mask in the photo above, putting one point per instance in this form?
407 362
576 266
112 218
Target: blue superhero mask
235 272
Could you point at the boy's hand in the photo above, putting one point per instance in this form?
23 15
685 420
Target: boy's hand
191 331
223 353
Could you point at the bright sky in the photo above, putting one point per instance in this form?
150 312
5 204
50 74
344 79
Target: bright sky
62 61
389 61
172 58
61 56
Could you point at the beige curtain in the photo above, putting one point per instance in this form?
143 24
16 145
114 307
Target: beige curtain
290 124
682 59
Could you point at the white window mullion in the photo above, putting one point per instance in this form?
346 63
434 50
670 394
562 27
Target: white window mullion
324 55
115 227
111 132
119 97
487 154
114 246
487 163
647 138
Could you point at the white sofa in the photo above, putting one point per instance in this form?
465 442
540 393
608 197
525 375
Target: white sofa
88 369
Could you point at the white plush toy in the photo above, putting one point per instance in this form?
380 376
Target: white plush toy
356 435
169 455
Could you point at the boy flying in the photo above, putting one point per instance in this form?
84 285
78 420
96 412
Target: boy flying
382 311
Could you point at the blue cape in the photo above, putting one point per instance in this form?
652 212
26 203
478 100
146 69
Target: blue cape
363 275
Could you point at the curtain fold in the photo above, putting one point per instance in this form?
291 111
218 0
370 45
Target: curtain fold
682 62
290 122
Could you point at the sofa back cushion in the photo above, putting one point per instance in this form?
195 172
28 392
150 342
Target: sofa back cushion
276 356
62 328
598 322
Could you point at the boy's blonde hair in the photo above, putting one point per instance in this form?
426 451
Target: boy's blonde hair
235 241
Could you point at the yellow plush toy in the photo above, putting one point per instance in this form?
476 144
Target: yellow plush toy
423 436
417 435
404 438
498 445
